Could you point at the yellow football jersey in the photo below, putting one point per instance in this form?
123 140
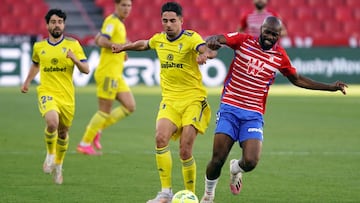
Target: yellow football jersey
56 70
180 75
115 31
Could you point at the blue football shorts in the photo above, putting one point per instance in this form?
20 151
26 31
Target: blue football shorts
239 124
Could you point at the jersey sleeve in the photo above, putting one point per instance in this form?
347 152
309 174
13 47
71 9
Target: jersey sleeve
35 56
234 39
108 28
243 20
153 40
197 41
286 67
78 51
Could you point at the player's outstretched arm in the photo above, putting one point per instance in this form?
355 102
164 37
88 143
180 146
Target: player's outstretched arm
307 83
215 42
82 66
139 45
34 70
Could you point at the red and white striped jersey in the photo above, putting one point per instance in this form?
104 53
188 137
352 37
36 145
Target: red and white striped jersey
252 20
252 71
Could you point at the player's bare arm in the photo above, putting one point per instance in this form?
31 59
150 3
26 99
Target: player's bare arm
307 83
139 45
215 42
34 70
82 66
205 53
103 41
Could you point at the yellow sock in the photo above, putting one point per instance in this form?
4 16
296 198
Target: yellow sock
116 114
50 140
61 148
164 165
96 124
189 173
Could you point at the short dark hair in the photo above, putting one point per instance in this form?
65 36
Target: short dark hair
118 1
172 6
57 12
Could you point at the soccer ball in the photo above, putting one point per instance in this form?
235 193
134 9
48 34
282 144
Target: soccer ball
184 196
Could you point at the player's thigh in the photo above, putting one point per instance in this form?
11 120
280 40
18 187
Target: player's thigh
197 113
168 120
106 86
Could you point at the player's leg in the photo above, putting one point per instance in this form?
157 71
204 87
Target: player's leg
250 139
225 136
221 148
106 92
164 130
187 140
125 97
127 107
51 134
195 120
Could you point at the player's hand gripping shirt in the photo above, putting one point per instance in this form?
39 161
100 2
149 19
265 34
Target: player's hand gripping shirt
56 70
252 71
180 75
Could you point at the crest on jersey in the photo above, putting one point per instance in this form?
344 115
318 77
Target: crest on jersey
180 46
255 66
170 57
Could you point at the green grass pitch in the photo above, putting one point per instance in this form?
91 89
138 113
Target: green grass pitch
311 151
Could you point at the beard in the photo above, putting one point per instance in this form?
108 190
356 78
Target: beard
56 33
264 45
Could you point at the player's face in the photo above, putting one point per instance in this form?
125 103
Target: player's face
269 36
56 26
171 24
260 4
123 8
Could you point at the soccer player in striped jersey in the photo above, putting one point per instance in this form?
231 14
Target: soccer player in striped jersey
251 20
240 116
55 58
183 111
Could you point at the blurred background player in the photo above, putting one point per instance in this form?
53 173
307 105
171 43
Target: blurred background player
184 111
251 20
55 58
240 116
110 84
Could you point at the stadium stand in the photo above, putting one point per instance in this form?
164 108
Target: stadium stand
326 22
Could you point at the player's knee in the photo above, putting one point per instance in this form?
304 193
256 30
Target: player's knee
52 126
161 140
250 164
131 108
217 162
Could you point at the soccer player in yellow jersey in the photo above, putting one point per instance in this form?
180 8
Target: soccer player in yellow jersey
55 59
110 84
183 111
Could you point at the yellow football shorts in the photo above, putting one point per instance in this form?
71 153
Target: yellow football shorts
107 87
187 112
63 105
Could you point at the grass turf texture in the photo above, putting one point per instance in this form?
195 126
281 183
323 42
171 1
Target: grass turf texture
311 151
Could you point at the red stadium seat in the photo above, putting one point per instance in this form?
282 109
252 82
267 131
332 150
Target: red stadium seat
324 14
353 3
316 4
335 3
304 13
343 14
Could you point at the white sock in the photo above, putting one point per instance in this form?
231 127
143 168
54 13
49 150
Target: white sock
83 144
210 186
235 168
166 190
